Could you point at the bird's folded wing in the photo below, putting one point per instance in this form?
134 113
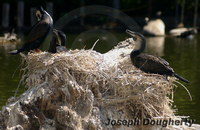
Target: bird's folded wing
37 31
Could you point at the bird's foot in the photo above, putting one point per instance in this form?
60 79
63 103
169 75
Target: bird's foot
35 51
38 50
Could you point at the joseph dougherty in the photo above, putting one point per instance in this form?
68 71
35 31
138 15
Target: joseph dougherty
147 121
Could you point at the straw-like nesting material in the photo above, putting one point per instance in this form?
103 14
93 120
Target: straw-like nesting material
85 80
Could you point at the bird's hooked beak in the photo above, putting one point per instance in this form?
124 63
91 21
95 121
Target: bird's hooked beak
133 34
54 30
39 12
139 39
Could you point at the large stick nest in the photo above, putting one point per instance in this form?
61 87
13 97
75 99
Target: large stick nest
81 89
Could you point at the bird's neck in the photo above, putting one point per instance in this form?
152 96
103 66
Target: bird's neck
142 45
46 16
135 53
63 42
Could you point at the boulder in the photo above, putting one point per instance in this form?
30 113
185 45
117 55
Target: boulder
154 28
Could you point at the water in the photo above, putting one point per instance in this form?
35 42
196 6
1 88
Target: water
181 53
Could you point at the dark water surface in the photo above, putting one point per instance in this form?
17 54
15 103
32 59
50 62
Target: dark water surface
181 53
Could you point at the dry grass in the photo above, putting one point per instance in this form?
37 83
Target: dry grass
125 87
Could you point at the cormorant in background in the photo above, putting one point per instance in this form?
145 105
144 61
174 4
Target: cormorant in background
149 63
38 32
60 46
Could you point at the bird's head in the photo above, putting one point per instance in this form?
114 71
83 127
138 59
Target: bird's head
39 12
139 39
61 37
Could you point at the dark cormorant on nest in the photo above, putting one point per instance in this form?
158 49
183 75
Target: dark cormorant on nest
38 32
149 63
60 46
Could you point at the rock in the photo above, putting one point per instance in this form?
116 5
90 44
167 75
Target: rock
183 32
154 28
86 90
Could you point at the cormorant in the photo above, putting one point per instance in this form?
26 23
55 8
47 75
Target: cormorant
149 63
52 46
61 37
38 32
60 46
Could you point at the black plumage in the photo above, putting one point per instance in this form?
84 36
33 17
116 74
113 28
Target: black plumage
60 46
61 37
38 32
52 46
149 63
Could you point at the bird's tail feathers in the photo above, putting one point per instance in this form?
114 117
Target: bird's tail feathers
181 78
17 51
14 52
